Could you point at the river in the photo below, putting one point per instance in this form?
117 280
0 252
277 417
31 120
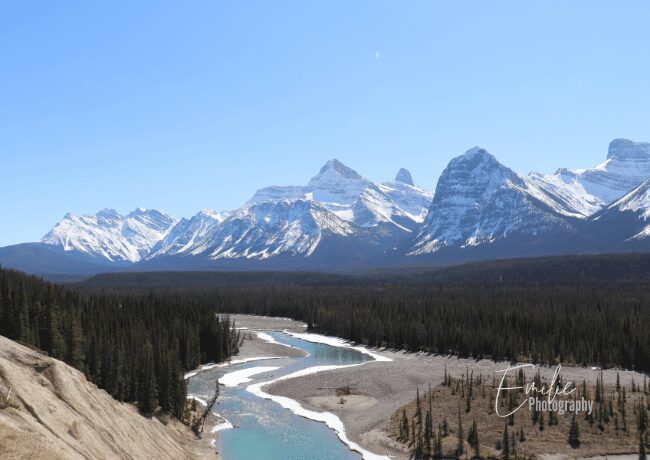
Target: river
263 429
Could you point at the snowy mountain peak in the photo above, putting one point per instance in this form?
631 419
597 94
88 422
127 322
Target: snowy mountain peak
108 216
476 157
476 165
404 176
334 166
625 149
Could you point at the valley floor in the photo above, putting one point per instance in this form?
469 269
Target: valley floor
380 388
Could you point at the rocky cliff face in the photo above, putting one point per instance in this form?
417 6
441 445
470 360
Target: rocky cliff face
479 201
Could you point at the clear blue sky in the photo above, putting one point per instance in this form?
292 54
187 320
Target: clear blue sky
189 105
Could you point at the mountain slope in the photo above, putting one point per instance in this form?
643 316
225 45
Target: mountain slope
589 190
270 228
190 236
47 260
53 412
111 236
624 223
411 200
479 201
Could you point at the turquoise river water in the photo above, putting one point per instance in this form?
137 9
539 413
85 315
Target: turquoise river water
263 430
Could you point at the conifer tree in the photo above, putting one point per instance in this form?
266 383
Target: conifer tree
404 427
460 449
437 449
147 398
505 443
574 433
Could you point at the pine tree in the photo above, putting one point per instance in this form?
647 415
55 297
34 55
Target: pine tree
505 443
460 449
147 398
404 427
437 447
76 355
23 332
574 433
473 440
57 341
428 433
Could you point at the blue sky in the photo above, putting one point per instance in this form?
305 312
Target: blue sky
189 105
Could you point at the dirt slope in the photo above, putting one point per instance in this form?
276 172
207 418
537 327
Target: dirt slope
53 412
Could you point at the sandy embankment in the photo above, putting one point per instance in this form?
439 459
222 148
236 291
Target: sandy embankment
380 388
50 411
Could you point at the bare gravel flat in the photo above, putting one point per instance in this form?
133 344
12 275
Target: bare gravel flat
390 385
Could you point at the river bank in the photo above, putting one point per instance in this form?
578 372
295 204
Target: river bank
379 388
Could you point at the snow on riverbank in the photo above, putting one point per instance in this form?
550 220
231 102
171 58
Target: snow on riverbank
331 420
207 367
225 425
336 342
236 378
268 339
197 399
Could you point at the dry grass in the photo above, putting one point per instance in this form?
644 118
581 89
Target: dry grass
448 401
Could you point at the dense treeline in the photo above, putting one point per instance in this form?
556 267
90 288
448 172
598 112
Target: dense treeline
563 270
136 347
594 324
590 310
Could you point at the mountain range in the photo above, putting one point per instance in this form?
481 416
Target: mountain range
341 220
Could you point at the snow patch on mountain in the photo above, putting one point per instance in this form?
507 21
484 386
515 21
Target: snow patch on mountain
110 235
589 190
271 228
411 200
191 236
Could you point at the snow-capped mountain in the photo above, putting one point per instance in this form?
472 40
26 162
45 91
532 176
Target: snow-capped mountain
271 228
589 190
481 209
357 200
111 236
294 220
478 201
190 236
